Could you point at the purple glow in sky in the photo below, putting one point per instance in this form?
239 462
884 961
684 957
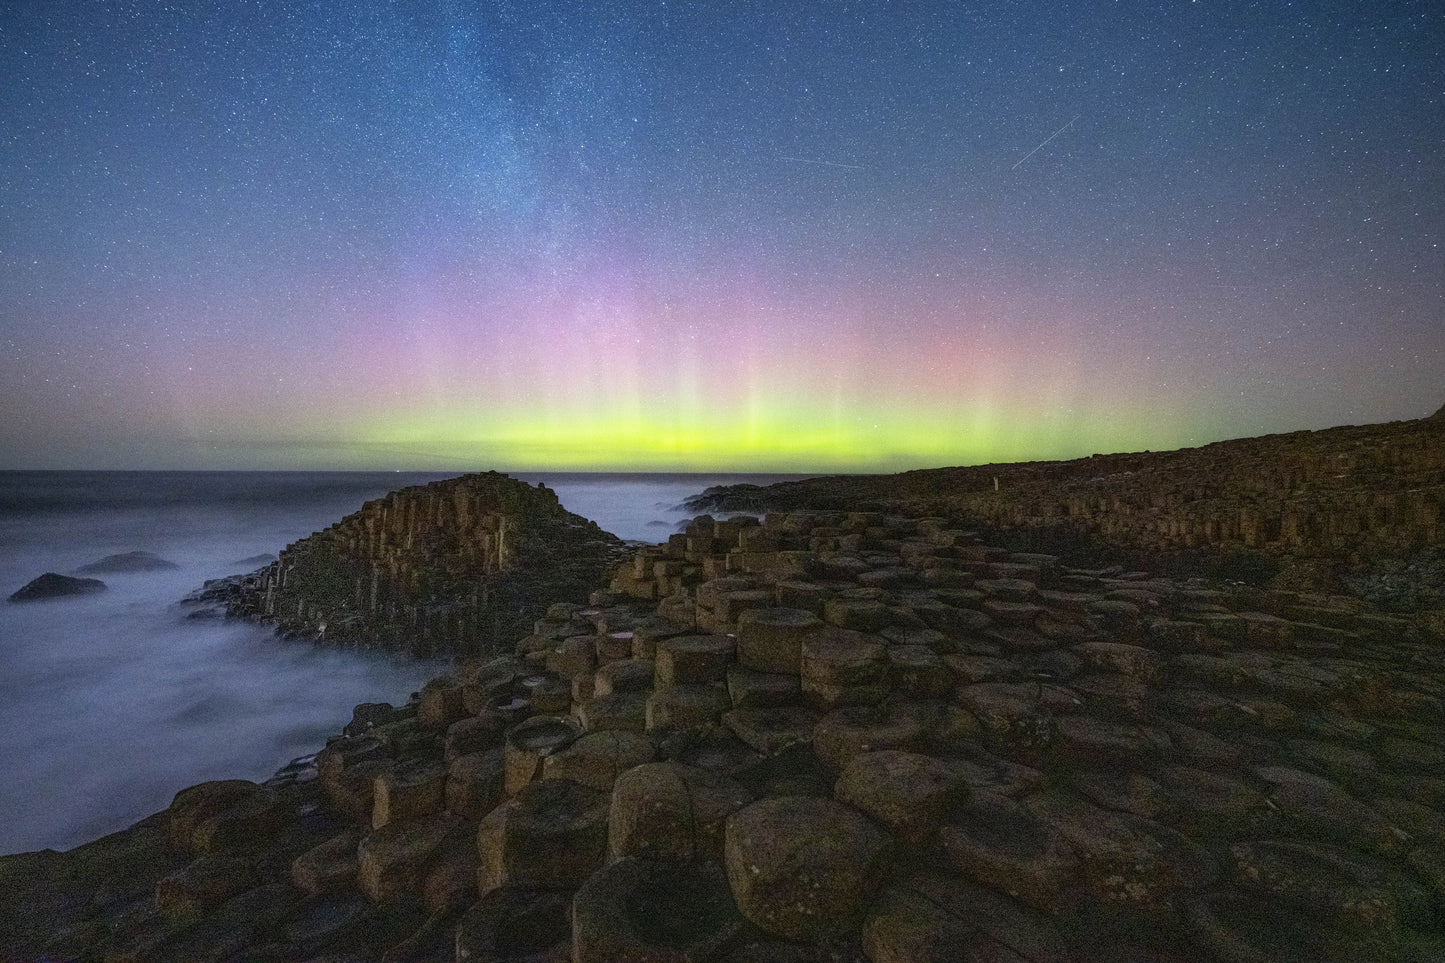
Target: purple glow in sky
781 236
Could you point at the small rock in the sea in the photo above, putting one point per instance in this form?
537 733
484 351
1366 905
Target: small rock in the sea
129 562
51 586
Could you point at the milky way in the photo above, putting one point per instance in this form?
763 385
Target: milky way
784 236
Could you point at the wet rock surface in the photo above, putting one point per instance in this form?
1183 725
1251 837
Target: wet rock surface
939 750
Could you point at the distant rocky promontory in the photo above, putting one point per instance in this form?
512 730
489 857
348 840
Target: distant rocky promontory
448 567
1321 506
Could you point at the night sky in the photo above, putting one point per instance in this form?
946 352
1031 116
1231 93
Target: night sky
648 236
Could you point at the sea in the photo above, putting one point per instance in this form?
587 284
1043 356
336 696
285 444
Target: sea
112 702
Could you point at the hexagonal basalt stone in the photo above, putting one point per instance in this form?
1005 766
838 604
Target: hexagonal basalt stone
193 814
514 923
843 668
648 912
771 640
598 758
530 742
769 729
902 927
907 792
409 790
551 834
1127 862
803 868
624 675
396 857
476 783
618 711
686 706
997 842
749 689
667 810
693 660
852 730
328 867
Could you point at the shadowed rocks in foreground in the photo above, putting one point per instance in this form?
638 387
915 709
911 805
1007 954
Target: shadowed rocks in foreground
830 736
53 586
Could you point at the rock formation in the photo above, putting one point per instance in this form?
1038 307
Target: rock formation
451 566
53 586
829 736
128 562
1344 497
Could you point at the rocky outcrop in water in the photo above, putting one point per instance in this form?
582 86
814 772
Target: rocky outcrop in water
830 736
1337 501
128 562
54 586
452 566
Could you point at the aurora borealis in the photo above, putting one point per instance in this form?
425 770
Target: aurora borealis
667 236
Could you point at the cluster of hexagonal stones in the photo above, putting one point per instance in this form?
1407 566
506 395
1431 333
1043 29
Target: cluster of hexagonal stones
845 737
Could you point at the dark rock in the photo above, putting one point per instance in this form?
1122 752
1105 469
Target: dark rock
128 562
650 912
52 586
803 868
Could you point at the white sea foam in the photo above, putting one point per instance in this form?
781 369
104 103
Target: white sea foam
110 703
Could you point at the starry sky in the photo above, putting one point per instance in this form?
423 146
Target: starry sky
795 236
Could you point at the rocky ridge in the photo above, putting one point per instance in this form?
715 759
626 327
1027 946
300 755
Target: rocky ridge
1335 501
448 567
830 736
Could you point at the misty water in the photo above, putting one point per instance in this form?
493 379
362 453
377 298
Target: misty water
110 703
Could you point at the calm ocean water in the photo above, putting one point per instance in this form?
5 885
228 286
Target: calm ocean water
110 703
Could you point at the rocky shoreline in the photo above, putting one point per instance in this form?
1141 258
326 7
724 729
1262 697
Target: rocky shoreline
855 730
1354 508
829 736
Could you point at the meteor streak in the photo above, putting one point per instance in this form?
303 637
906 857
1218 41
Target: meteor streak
825 163
1045 141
